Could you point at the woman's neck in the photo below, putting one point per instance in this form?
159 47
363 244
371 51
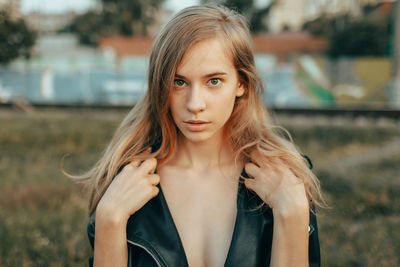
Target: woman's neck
204 155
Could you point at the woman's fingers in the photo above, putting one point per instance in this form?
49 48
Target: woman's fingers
257 157
267 174
154 179
275 182
250 183
135 163
260 159
147 150
149 165
252 169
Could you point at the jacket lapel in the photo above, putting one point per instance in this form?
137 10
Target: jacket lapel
153 227
252 237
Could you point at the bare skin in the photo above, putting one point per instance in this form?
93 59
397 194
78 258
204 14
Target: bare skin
210 196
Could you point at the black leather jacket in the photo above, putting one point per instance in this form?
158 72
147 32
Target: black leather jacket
153 239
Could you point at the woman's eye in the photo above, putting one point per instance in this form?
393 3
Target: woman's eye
214 82
179 83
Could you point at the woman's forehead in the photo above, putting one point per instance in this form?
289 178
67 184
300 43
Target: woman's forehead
205 57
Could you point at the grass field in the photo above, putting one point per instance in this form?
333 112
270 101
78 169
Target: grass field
43 214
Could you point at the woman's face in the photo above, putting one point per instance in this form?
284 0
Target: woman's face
206 84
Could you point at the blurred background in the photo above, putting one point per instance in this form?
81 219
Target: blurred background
71 70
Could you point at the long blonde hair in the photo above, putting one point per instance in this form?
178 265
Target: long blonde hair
149 123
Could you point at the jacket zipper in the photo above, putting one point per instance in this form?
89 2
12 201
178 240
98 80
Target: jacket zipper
147 250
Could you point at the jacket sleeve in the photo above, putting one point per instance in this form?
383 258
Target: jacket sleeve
90 232
314 257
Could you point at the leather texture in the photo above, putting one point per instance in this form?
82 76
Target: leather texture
153 239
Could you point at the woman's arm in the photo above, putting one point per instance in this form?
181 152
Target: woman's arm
290 239
110 243
285 194
127 193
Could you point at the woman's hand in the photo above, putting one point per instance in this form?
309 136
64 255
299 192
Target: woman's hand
133 187
276 184
130 190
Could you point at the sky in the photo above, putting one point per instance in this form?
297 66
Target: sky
59 6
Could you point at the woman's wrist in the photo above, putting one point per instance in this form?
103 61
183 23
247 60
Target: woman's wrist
295 213
110 216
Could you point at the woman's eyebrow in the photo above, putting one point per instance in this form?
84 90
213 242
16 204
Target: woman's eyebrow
179 76
215 74
205 76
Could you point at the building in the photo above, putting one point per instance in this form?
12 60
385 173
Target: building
292 14
48 23
281 45
13 7
287 14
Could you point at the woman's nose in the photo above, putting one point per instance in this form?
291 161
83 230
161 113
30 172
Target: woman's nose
196 102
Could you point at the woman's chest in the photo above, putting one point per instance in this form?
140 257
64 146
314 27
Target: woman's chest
204 213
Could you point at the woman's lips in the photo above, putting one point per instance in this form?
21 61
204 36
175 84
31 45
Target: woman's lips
196 126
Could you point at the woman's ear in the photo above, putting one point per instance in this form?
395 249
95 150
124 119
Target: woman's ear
240 89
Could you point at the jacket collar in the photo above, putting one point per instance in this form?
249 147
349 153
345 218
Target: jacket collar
153 227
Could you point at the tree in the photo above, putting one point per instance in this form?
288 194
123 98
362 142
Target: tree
16 39
322 26
254 14
123 17
91 25
139 13
363 36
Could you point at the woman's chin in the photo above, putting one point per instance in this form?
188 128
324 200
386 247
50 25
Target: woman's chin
196 137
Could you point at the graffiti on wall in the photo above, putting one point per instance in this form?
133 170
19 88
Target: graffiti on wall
305 81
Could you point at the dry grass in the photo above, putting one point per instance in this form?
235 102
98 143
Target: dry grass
43 214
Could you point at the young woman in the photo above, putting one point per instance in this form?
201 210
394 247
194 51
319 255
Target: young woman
186 177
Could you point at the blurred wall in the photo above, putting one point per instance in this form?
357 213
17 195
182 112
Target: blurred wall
303 81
